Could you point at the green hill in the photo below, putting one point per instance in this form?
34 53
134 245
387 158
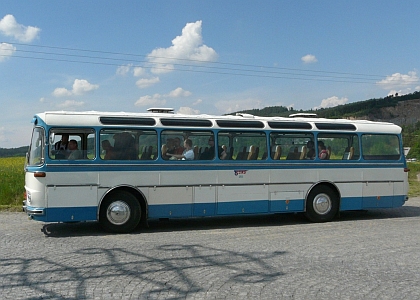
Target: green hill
13 152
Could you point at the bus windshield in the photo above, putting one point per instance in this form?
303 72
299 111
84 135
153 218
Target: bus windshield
36 148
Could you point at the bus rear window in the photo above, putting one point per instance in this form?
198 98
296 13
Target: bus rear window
380 147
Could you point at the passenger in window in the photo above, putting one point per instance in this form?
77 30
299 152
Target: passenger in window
61 148
170 145
109 150
177 149
322 150
75 153
209 153
188 153
311 150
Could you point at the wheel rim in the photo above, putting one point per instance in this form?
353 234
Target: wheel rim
322 204
118 212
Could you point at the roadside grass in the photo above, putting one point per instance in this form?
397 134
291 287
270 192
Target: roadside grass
13 180
12 183
413 180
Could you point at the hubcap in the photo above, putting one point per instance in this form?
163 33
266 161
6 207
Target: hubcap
322 204
118 212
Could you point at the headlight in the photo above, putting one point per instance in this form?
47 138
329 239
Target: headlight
28 197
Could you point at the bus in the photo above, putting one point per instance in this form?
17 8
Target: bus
124 169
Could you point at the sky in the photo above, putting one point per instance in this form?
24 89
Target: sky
200 57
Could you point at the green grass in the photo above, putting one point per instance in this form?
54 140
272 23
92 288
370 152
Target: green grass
13 180
413 181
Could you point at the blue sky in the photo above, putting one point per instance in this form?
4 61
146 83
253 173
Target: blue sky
200 57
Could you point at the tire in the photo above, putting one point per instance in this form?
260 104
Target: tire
120 212
321 204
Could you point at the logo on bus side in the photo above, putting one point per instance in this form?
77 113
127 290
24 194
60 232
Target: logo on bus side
240 173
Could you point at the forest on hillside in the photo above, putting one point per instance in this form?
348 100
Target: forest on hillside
13 152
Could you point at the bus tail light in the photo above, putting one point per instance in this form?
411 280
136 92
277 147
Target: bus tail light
40 174
406 170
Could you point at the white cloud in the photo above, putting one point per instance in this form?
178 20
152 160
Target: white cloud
159 99
398 80
6 50
188 111
332 102
230 106
146 82
61 92
189 45
123 70
68 104
309 59
9 27
138 71
80 87
179 92
199 101
155 100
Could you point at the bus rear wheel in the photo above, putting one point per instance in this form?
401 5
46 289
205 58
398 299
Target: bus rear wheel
120 212
321 204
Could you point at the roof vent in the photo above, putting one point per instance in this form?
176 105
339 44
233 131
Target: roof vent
303 115
161 110
248 116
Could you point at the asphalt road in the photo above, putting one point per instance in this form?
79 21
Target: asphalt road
362 255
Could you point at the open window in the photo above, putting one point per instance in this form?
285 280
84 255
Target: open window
72 144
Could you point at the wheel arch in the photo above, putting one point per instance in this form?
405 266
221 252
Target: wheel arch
326 183
141 198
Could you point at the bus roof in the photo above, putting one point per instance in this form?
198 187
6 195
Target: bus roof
166 117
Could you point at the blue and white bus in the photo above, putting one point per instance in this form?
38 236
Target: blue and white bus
123 169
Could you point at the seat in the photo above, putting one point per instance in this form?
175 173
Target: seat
264 156
293 153
147 153
164 150
230 153
303 152
329 152
242 154
196 154
252 153
351 152
277 153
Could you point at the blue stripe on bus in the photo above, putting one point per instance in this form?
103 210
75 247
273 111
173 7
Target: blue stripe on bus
67 214
75 214
212 167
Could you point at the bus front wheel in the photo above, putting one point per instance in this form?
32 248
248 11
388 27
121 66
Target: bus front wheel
321 204
120 212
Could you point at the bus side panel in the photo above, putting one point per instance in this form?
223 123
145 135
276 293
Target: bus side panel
170 202
242 199
204 201
287 198
400 192
67 204
351 195
378 194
